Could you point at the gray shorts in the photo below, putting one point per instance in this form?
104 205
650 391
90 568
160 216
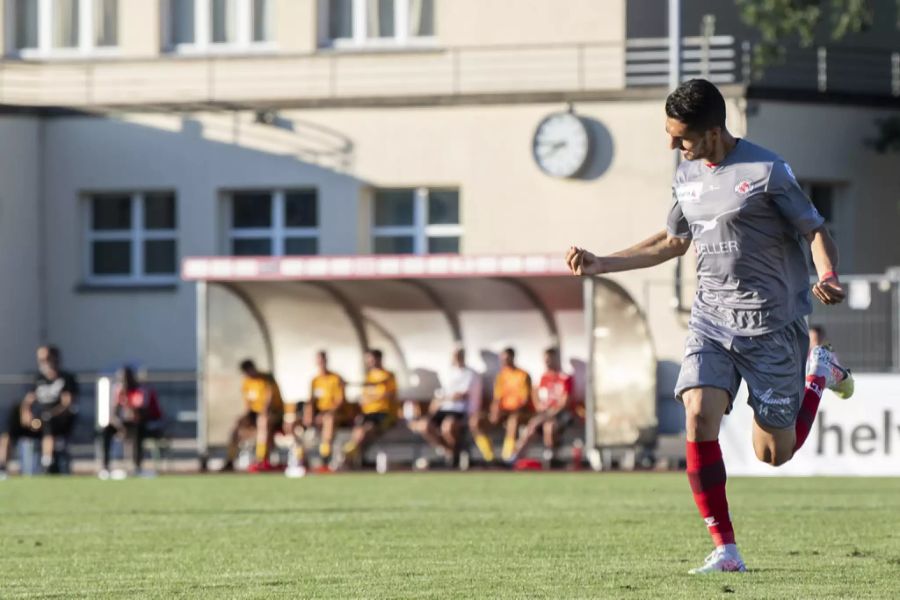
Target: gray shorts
772 364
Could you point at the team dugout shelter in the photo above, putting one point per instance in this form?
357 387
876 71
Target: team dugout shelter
279 311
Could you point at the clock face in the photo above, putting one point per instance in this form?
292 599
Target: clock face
561 145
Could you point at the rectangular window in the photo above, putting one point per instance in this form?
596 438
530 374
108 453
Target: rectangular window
106 21
273 222
416 221
379 22
219 25
64 28
131 238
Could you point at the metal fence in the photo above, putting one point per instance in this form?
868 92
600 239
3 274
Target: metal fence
865 330
177 392
723 59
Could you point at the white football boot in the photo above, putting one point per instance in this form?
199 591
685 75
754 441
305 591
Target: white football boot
823 363
724 559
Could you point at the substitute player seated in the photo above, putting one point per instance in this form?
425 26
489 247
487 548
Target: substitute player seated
264 415
512 400
452 406
378 406
553 405
325 408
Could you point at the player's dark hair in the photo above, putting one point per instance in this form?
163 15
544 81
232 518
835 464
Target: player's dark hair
52 351
698 104
511 351
322 354
819 330
247 365
376 353
552 350
130 377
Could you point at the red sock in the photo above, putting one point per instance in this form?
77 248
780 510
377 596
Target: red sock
808 409
706 472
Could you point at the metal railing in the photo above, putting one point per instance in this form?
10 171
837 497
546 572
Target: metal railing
177 393
712 57
865 330
723 59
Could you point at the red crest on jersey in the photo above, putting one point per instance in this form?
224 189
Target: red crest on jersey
743 187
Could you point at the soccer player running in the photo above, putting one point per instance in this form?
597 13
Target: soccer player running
378 405
512 400
325 405
264 416
553 405
748 218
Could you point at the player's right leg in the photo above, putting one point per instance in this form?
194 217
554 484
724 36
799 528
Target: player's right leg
477 422
531 431
706 385
326 439
242 426
704 408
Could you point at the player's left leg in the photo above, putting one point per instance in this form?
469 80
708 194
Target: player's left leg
512 432
450 432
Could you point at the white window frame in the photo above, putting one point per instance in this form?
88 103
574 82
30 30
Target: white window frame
359 40
136 235
203 43
278 233
45 49
420 230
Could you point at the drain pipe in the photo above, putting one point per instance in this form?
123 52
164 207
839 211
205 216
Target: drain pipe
674 82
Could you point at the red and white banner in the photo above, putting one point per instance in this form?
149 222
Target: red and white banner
859 436
320 268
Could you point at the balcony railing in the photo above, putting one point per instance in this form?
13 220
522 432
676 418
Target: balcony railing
723 59
331 76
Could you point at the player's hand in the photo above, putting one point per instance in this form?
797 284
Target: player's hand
582 262
829 291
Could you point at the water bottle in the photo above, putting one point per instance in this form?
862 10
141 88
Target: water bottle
381 463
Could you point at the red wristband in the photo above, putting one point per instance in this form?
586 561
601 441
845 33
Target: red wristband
829 275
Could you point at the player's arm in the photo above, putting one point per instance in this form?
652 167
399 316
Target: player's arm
341 391
793 204
25 413
308 407
494 414
65 402
825 257
655 250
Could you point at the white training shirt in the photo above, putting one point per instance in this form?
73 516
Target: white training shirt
462 380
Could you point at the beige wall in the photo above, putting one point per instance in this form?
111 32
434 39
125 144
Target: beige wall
508 204
497 22
827 144
140 28
296 26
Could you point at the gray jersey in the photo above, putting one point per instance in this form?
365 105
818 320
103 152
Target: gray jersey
746 216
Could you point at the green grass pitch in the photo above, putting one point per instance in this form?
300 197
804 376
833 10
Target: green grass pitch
441 536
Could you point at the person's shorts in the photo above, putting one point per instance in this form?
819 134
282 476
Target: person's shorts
381 421
60 425
772 364
276 419
563 419
438 418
